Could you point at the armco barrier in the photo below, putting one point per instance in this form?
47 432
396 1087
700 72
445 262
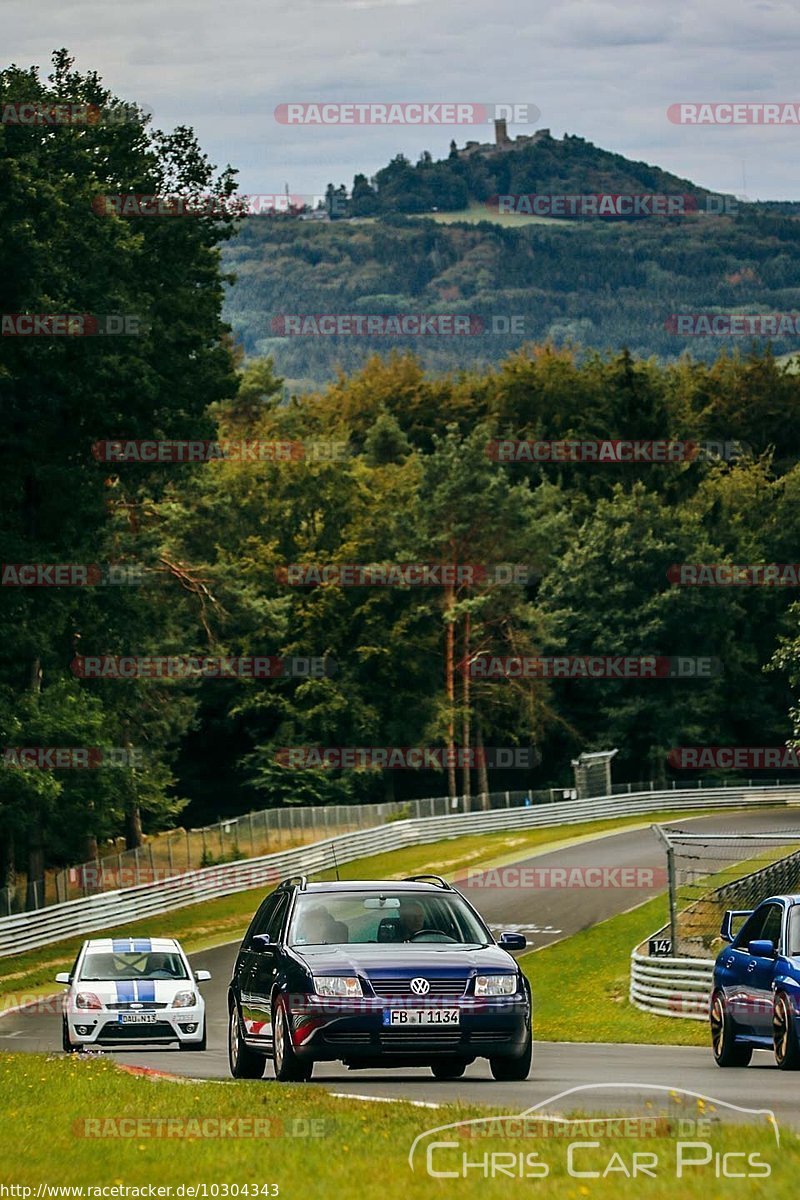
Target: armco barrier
27 931
671 987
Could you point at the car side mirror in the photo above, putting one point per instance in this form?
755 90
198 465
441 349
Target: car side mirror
202 976
762 948
512 941
63 977
261 942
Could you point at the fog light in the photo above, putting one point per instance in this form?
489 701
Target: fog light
81 1028
190 1028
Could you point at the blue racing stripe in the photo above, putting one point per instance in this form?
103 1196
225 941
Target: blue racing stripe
142 945
120 947
125 993
146 990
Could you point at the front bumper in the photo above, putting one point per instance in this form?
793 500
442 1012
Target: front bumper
350 1030
103 1027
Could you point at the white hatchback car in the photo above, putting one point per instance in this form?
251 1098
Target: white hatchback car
127 991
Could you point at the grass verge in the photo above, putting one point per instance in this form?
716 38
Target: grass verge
580 986
83 1122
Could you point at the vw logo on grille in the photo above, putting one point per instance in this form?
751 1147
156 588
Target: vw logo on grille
420 986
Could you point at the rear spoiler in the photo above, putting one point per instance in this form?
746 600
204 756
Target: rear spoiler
726 928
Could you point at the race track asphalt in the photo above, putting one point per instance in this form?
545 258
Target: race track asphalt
618 1075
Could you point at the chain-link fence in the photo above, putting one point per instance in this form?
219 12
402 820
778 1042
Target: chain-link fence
711 873
267 831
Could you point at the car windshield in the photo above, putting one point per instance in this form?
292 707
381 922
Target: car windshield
358 918
107 966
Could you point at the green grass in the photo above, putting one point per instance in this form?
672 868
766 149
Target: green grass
214 922
358 1149
479 212
580 986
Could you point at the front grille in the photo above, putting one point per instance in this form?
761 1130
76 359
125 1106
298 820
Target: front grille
488 1038
351 1039
138 1033
402 987
135 1006
403 1039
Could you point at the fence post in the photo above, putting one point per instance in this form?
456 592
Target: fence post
252 838
508 800
152 863
138 870
169 855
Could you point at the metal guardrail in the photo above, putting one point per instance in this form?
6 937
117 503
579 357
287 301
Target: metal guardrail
671 987
28 931
681 987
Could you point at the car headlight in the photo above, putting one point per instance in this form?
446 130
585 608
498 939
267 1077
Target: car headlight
337 985
87 1000
495 985
184 1000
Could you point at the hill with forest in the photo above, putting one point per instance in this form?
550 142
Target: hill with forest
428 239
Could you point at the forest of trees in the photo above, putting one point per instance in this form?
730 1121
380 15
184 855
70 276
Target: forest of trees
413 483
591 285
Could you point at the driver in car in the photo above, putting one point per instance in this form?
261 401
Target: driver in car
412 919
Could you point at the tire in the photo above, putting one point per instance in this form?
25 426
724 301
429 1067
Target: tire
244 1063
289 1068
66 1044
513 1069
449 1068
201 1045
727 1052
784 1034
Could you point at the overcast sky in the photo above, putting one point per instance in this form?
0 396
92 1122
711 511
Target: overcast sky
604 70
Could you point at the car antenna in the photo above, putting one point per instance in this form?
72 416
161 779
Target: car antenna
335 864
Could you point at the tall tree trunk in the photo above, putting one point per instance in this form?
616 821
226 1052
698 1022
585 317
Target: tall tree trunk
133 825
8 871
35 891
134 838
483 773
466 737
449 670
34 897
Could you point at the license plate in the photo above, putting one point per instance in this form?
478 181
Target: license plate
421 1016
138 1018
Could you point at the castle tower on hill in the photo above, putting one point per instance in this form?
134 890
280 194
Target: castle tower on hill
502 142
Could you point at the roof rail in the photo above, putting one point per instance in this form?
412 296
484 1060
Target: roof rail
421 878
300 880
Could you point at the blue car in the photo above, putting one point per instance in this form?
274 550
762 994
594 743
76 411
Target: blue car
755 1001
376 974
